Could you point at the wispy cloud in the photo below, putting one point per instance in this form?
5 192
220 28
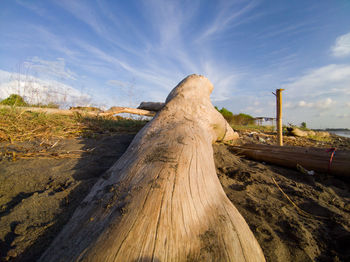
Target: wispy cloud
48 38
330 79
225 17
53 69
341 48
283 29
35 8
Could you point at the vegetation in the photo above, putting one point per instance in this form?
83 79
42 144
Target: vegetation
14 100
240 119
19 125
48 105
304 127
17 100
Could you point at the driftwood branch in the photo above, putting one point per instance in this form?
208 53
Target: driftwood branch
111 111
162 200
118 110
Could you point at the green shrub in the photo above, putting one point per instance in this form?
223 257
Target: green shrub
14 100
244 119
240 119
303 126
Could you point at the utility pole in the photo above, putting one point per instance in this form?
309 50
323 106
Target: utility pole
279 116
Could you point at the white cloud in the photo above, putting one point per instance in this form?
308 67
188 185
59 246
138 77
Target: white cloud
36 90
302 103
332 79
319 96
322 104
325 104
341 47
347 104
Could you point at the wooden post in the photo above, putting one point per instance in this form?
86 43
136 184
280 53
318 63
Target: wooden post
279 116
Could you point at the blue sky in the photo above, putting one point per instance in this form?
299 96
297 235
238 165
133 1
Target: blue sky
119 53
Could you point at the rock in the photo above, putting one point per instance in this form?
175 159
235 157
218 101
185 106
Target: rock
152 106
261 139
323 134
311 133
293 131
252 134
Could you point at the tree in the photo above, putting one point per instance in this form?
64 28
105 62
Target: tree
162 200
14 100
303 125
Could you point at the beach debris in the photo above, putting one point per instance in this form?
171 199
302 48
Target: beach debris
261 139
299 210
305 171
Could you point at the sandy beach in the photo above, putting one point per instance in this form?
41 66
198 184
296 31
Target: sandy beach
293 216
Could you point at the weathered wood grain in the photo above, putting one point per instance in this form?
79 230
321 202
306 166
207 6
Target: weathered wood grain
162 200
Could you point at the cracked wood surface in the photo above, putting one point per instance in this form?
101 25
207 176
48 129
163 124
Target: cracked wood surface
162 200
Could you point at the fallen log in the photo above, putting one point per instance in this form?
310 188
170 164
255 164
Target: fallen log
81 110
317 159
162 200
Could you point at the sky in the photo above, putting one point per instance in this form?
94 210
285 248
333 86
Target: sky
119 53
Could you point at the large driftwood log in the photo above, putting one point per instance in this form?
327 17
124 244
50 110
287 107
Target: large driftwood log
162 200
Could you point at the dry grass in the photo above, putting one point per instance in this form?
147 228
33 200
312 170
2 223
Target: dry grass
17 125
267 129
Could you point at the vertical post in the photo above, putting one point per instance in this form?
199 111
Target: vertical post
279 116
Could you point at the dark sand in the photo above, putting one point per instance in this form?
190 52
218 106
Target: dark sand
37 197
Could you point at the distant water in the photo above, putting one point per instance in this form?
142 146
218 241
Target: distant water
344 133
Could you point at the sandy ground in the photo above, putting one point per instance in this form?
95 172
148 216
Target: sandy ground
39 194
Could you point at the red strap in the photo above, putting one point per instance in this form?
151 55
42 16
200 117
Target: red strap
331 158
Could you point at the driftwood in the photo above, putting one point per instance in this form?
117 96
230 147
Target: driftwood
117 110
84 111
317 159
162 200
294 131
152 106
